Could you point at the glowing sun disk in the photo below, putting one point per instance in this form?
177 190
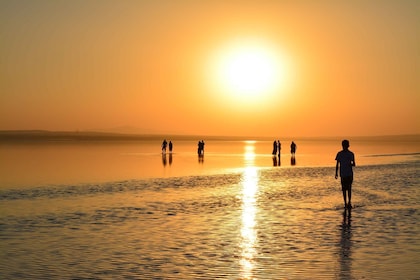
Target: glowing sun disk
248 72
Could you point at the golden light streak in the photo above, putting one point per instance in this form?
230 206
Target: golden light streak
249 211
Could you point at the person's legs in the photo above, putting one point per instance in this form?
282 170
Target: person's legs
346 187
343 188
346 183
344 197
350 182
349 194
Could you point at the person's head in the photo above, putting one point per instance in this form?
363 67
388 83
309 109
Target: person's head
345 144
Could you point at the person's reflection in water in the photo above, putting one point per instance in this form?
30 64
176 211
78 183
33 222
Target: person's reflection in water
345 246
293 160
170 158
164 159
276 161
200 158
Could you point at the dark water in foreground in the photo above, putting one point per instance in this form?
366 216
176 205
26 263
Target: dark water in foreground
254 223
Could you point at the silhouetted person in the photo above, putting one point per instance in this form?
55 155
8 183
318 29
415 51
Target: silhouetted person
293 148
274 148
279 147
170 146
200 150
164 144
345 160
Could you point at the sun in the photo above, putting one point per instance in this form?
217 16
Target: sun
248 71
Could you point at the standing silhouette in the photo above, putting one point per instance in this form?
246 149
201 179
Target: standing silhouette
293 148
345 162
164 144
170 146
274 147
200 150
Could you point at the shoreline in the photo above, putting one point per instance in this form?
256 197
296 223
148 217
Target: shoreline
29 136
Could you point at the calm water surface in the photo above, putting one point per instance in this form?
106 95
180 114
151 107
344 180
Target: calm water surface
40 164
116 211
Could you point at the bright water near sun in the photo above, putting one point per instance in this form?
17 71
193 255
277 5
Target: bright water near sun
246 219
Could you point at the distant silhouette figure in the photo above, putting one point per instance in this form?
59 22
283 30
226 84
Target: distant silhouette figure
345 161
293 148
200 150
164 144
170 146
274 148
279 147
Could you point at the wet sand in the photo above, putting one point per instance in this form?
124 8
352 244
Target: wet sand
257 224
236 216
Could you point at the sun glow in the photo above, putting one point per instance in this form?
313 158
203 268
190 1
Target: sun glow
249 71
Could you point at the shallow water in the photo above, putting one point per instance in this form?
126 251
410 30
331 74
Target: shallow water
249 222
27 165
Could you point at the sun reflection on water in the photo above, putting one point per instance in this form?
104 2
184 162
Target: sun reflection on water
249 210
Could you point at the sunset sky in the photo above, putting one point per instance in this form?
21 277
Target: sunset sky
263 68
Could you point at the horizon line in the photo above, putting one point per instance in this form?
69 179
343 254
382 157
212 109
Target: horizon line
101 135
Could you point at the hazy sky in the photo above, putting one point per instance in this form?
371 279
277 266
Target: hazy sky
264 68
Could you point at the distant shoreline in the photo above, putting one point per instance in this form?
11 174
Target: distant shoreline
93 136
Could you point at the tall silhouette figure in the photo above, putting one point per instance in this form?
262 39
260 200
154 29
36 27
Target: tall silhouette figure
293 148
164 144
345 162
274 148
200 149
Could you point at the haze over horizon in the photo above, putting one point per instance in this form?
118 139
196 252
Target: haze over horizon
236 68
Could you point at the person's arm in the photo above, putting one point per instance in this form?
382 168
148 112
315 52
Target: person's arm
353 162
336 170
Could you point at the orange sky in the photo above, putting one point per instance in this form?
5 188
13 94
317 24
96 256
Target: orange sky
349 67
